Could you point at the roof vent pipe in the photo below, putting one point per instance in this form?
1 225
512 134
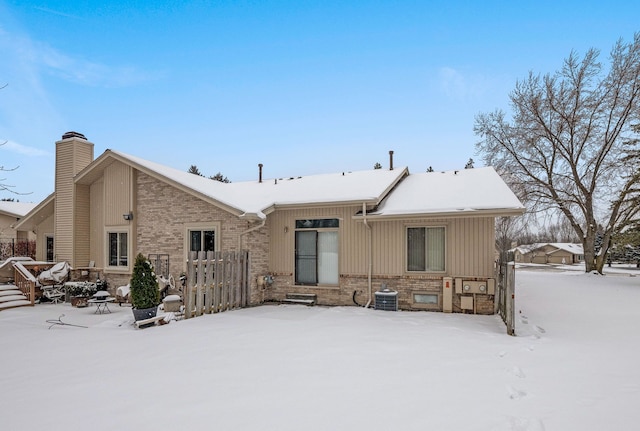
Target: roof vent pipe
391 160
259 172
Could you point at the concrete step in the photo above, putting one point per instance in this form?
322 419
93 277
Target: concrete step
301 298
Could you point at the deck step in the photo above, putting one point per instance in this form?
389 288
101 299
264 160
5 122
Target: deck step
301 298
14 304
11 297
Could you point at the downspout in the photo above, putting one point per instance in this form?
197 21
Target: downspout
251 229
369 251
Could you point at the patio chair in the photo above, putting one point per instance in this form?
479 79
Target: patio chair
54 293
51 282
166 285
122 294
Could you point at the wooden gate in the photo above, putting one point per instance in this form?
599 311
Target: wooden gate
216 281
506 276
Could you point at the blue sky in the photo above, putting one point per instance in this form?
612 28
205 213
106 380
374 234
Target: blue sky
302 87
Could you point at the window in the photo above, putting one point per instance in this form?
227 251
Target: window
118 249
316 252
49 245
202 240
425 249
425 298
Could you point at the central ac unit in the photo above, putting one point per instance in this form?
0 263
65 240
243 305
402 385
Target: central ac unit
386 300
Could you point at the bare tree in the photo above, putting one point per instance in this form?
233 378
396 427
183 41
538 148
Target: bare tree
4 187
506 230
564 144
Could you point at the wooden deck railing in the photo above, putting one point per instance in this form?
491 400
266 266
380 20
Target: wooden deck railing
25 281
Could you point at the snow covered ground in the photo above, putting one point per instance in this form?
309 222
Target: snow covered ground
572 366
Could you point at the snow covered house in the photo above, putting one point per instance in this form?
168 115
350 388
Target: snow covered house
14 242
550 253
340 237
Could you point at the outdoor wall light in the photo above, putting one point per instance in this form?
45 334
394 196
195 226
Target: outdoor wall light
128 216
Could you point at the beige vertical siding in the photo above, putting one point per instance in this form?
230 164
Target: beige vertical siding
469 243
64 201
117 194
96 223
44 228
82 226
72 155
282 233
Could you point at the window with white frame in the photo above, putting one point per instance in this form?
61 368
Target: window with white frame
316 252
426 249
118 249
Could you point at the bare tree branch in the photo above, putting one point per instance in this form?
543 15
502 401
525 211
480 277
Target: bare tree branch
567 147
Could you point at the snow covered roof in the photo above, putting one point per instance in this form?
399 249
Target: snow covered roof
465 192
16 209
557 246
254 199
567 246
394 192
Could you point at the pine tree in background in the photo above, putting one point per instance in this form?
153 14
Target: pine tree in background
193 169
220 177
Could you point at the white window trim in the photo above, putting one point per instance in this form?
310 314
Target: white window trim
117 229
406 247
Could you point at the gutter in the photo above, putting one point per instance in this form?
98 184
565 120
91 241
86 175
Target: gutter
369 251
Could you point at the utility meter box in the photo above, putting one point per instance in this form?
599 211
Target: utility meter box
481 287
466 302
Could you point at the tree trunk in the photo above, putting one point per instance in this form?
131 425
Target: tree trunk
588 245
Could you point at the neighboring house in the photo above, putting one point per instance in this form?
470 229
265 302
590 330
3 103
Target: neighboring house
339 236
14 242
549 253
10 213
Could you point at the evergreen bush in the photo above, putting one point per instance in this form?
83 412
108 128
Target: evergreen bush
144 285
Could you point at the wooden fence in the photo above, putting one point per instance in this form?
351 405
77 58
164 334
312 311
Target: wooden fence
506 276
216 281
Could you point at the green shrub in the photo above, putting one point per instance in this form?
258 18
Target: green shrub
144 285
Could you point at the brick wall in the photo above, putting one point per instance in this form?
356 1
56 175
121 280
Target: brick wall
162 213
406 286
